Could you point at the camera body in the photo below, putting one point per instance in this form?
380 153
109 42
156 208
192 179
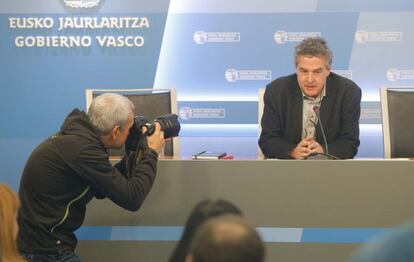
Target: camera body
169 125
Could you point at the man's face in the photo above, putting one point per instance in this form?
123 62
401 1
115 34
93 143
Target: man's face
311 74
122 135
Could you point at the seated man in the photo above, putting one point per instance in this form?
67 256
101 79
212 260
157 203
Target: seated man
298 106
71 167
226 238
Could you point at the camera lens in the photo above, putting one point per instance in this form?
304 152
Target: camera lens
169 125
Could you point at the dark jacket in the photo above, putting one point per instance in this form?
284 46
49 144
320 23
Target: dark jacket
63 174
282 117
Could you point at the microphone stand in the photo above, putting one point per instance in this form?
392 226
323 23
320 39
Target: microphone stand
326 155
322 156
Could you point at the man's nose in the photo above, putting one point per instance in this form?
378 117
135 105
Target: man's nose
310 77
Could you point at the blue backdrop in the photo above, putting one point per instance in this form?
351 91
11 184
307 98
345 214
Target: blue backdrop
216 54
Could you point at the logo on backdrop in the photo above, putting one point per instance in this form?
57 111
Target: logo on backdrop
233 75
81 3
201 37
362 37
394 74
282 37
187 113
344 73
370 113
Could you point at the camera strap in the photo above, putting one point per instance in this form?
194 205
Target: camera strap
142 146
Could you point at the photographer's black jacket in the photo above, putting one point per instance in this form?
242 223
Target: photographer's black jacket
63 174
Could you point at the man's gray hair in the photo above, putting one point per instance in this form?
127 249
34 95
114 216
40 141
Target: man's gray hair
108 110
314 46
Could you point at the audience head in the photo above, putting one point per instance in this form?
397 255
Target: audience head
9 206
226 239
201 212
396 244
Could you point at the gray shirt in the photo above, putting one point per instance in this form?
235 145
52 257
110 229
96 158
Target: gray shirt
309 119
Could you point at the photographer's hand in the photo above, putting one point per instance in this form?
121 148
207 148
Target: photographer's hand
156 141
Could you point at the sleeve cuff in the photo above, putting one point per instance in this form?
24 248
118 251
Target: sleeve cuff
151 152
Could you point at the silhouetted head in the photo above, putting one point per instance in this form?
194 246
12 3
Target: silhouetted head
9 206
226 238
202 211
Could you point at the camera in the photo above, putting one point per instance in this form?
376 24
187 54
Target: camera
169 125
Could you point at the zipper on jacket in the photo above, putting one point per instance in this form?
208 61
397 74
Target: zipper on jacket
67 208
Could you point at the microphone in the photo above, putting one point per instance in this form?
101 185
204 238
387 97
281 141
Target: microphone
316 110
318 115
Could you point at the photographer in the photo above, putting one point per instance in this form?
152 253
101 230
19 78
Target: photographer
71 167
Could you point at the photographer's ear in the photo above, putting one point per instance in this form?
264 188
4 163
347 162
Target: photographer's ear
110 140
116 130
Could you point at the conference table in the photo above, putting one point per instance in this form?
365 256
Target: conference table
309 210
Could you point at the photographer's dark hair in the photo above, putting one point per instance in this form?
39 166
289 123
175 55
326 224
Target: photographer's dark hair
201 212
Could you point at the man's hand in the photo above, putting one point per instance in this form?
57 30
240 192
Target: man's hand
315 147
306 147
302 150
156 141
